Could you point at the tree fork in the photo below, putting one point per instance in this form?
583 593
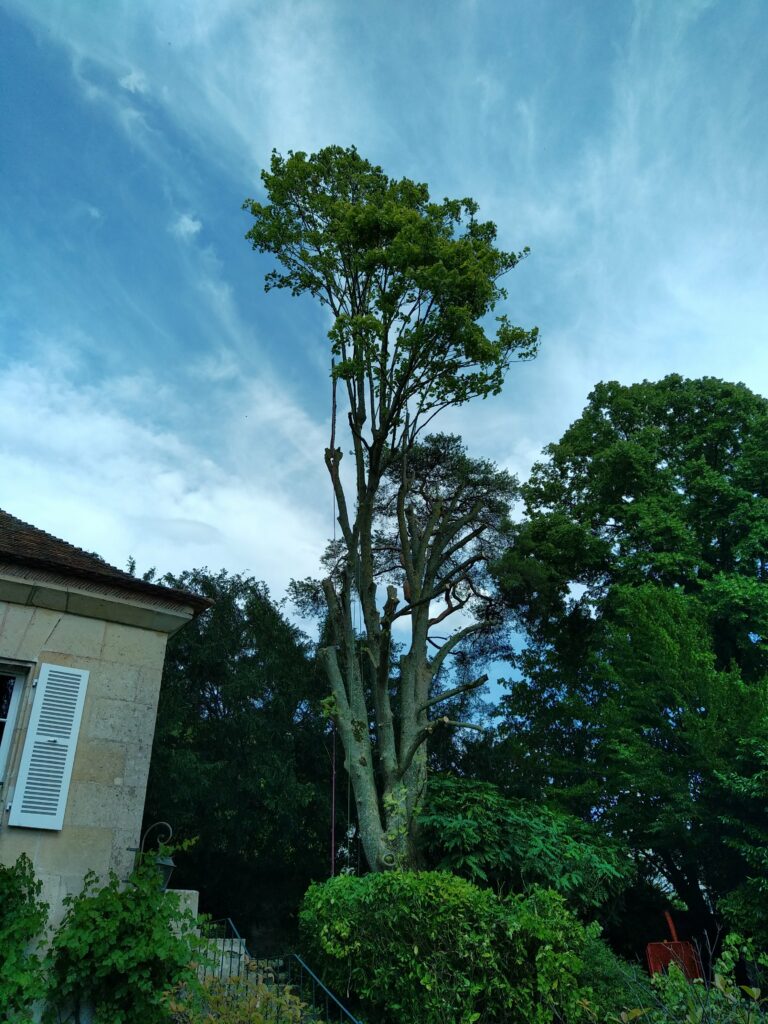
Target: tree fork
409 283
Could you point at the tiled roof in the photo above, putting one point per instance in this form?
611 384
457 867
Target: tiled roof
23 544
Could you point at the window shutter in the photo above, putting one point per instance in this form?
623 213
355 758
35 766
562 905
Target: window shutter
41 791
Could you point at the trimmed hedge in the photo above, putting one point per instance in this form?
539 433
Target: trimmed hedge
432 947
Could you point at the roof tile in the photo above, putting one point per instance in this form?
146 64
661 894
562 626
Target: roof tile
23 544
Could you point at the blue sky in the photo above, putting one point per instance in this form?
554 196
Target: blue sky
159 404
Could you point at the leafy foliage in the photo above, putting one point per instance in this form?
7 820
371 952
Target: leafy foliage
239 756
432 947
119 950
241 999
22 920
406 279
470 828
639 578
746 783
410 285
722 1002
672 999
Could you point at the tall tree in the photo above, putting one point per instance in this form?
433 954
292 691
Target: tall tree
639 577
409 284
239 758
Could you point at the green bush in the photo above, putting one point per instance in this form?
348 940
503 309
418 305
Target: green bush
723 1001
746 908
675 1000
614 984
671 999
432 948
250 998
119 950
470 828
22 921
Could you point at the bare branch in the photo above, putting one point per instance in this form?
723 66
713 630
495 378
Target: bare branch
330 662
402 527
466 539
423 735
426 535
454 575
332 460
384 717
449 609
463 688
335 612
464 725
451 643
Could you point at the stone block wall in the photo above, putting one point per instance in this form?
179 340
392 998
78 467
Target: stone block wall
106 795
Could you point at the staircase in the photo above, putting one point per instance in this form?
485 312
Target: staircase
228 958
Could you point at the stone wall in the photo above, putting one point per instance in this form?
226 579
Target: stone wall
106 795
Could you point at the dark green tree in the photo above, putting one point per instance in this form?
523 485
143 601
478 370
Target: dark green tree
638 577
239 757
410 285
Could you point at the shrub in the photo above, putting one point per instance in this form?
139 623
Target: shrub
22 921
472 829
432 947
119 950
672 999
614 983
675 1000
247 999
746 908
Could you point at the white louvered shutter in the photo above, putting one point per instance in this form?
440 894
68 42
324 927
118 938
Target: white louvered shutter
41 791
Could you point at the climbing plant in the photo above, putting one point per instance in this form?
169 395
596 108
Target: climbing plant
22 922
119 951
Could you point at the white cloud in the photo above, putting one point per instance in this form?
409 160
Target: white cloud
186 226
646 225
218 366
135 82
91 467
236 79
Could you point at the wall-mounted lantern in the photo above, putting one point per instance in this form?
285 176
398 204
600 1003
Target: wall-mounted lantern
164 863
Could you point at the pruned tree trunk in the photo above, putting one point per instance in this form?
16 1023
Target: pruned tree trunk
408 283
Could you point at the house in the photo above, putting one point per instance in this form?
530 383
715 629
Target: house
81 657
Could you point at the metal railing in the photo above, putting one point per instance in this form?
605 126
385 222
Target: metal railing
225 953
227 957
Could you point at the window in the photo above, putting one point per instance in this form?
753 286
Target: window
10 697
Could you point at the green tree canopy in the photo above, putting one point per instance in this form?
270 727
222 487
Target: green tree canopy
239 757
639 578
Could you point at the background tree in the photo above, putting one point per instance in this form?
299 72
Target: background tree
639 578
409 284
240 756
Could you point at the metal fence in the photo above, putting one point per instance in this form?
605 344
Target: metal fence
226 957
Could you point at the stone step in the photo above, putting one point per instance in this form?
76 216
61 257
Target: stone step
224 958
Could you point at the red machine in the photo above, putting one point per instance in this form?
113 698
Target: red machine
661 955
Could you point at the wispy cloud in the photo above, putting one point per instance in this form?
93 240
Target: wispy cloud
283 82
135 82
650 249
90 466
627 147
186 227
